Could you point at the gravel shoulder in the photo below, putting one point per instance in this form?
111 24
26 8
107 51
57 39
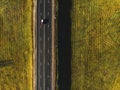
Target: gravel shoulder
53 47
34 44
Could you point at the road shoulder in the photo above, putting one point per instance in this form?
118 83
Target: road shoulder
34 6
53 47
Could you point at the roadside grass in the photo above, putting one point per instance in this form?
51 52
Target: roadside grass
16 44
95 45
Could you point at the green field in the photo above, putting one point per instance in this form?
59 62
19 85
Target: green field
16 44
95 45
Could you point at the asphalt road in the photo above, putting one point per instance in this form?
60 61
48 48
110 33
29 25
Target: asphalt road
44 45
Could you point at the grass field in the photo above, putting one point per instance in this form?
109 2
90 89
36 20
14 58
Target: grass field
95 45
16 44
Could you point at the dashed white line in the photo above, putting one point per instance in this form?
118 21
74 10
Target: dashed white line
54 17
48 38
40 1
48 25
48 88
41 13
40 51
44 49
48 13
48 51
48 63
48 76
40 64
40 39
48 1
40 77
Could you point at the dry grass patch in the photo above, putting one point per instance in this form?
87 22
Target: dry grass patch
16 44
95 45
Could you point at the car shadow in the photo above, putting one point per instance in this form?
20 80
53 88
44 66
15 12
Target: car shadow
64 44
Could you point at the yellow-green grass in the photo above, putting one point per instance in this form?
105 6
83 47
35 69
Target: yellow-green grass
95 45
16 44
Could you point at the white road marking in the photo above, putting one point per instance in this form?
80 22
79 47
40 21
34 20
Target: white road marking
48 88
48 25
40 64
41 1
40 39
40 14
48 1
48 63
48 51
40 51
48 38
44 48
48 13
48 76
40 77
54 17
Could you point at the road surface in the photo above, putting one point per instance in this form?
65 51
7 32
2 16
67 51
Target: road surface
44 45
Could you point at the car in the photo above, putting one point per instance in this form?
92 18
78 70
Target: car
44 21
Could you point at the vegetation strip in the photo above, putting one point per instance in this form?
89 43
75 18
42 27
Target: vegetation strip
16 44
95 45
